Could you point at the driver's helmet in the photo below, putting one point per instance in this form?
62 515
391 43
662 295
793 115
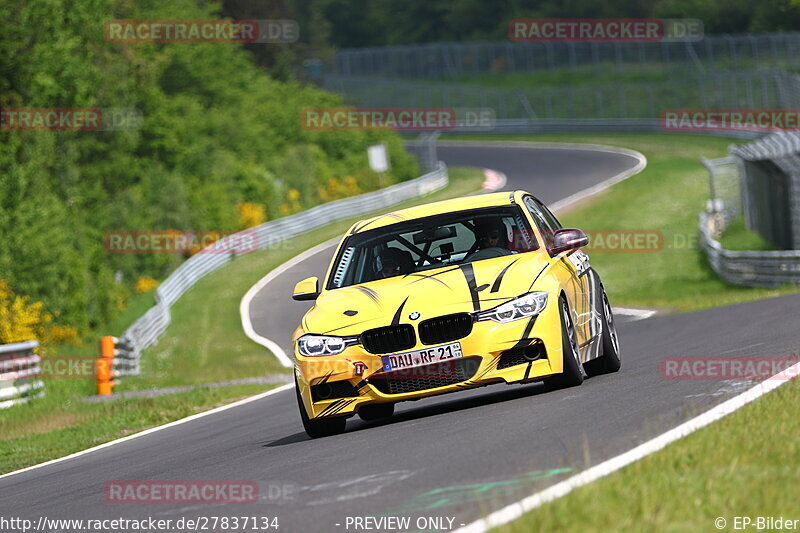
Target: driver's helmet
391 262
490 233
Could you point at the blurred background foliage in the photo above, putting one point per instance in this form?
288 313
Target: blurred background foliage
329 24
220 148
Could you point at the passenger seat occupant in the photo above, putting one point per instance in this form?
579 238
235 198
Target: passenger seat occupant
394 262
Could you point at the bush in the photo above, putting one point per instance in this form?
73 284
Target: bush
21 320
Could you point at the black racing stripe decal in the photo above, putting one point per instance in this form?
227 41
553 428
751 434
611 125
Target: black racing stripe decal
537 277
365 224
345 404
499 280
528 370
372 295
325 378
358 228
523 341
491 366
423 277
469 274
327 410
483 287
398 313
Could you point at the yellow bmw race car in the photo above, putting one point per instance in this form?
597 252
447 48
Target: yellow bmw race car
449 296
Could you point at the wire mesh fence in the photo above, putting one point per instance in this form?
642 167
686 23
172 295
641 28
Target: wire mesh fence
437 60
624 100
749 268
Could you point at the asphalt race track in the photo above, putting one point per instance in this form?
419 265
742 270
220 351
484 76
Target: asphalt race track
457 456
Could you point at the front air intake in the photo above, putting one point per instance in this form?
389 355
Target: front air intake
445 328
389 339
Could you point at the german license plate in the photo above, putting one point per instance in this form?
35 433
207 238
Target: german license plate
426 356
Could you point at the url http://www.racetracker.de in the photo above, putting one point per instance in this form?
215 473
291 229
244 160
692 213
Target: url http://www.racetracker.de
45 524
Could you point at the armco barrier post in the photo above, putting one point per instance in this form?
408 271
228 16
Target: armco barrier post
104 364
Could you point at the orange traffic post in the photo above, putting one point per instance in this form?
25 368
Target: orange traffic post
104 364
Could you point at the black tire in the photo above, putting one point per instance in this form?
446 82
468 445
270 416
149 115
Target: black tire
324 427
609 360
573 373
376 411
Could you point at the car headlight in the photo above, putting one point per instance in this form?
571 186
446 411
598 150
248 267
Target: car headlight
318 345
525 306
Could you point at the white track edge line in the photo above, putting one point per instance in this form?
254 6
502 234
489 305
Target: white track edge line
244 304
640 314
152 430
516 510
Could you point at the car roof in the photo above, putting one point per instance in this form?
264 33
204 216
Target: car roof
445 206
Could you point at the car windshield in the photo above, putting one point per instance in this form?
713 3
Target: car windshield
433 242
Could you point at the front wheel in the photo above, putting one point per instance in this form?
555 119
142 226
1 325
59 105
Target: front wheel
609 361
572 373
316 428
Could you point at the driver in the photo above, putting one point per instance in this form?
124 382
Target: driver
393 262
490 240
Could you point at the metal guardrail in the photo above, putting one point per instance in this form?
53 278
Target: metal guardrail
19 368
586 125
148 328
752 269
748 268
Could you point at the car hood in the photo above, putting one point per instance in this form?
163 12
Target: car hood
464 288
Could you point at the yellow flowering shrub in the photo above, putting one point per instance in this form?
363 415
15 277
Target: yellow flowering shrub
146 284
292 205
21 320
251 215
336 189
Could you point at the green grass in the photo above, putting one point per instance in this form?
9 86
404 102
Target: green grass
583 75
666 197
203 344
737 237
742 465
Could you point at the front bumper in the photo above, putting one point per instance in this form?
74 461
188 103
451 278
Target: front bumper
483 350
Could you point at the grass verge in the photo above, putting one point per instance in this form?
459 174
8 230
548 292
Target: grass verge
664 199
39 437
737 237
204 343
723 470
